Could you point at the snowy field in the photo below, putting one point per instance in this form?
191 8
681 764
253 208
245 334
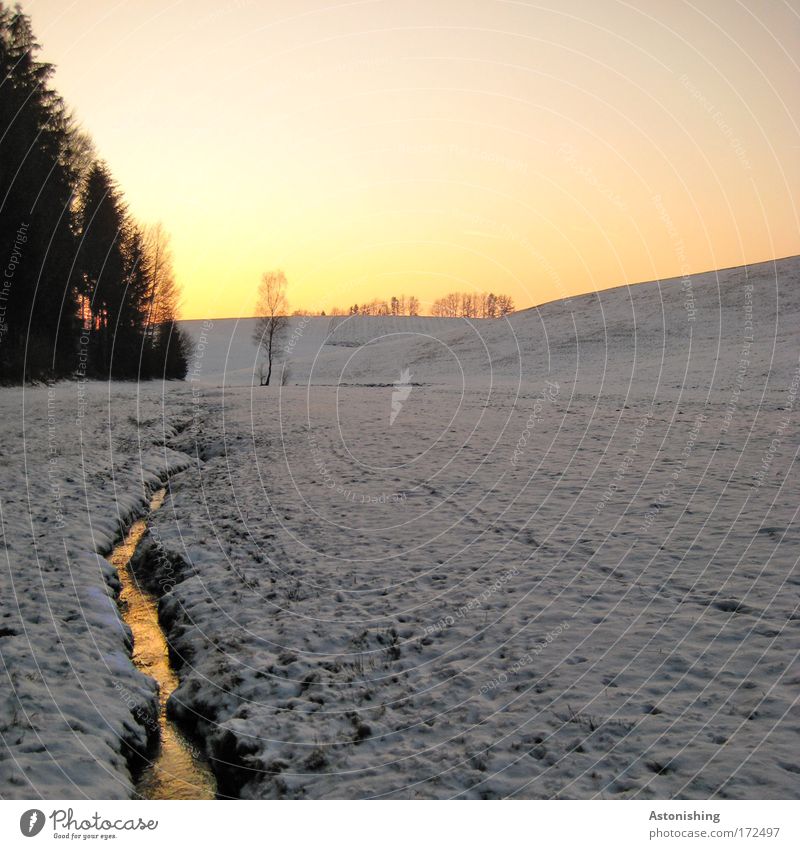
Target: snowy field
553 556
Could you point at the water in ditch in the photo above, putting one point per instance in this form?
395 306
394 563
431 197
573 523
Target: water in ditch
178 769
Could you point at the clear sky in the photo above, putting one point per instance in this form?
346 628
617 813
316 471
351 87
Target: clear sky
376 147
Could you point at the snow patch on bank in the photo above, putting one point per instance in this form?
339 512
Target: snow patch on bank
78 462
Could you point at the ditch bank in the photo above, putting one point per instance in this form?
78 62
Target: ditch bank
158 571
173 765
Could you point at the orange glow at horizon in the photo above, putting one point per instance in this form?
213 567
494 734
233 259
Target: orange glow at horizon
374 148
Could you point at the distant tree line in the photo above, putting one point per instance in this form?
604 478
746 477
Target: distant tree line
473 305
456 304
84 289
394 306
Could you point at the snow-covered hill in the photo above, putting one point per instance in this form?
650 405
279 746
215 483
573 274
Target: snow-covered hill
549 556
674 335
553 556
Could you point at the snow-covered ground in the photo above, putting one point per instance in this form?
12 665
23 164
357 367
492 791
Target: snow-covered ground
77 461
549 556
562 563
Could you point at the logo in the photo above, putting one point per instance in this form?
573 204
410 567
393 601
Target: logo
31 822
400 393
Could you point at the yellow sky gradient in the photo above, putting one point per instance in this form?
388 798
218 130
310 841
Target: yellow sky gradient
378 148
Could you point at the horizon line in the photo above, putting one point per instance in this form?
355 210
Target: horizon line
522 309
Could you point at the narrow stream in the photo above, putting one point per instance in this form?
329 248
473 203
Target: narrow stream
179 770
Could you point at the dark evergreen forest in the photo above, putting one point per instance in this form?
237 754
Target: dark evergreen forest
85 290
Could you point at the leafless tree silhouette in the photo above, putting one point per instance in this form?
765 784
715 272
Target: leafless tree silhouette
271 308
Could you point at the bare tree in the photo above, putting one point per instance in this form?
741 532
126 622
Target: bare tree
271 307
505 305
164 294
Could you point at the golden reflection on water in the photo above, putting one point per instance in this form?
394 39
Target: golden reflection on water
179 770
